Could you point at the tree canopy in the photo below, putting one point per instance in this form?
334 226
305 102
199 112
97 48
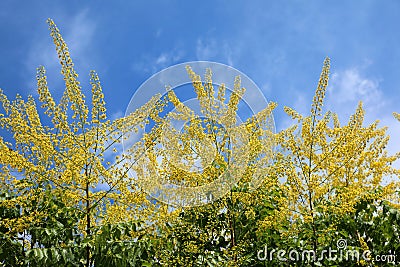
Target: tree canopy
68 196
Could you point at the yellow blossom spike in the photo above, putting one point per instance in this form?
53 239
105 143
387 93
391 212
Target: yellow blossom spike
73 94
321 89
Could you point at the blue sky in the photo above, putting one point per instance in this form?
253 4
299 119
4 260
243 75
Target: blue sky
280 45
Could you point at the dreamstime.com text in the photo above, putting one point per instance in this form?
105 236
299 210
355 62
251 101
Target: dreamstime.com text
341 253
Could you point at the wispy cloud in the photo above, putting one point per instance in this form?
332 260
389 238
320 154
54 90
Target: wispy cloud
152 64
165 59
350 86
206 49
210 49
80 33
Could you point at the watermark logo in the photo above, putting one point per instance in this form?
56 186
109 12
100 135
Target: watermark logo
340 253
150 172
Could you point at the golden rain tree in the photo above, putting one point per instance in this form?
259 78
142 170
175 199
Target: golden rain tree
327 168
211 169
67 158
320 176
58 163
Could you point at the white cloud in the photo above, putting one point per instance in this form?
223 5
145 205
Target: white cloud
154 64
162 59
208 49
166 59
79 33
346 88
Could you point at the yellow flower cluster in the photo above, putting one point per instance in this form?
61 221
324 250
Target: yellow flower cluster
68 157
328 167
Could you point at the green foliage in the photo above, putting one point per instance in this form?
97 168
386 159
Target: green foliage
56 240
116 246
